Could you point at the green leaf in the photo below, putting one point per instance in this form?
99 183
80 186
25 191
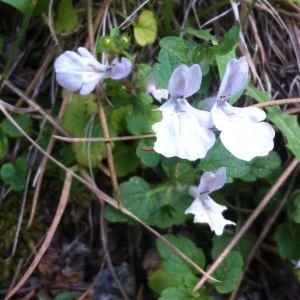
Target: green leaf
80 121
287 237
175 265
70 295
218 157
167 215
161 280
288 125
140 120
176 293
141 77
15 175
148 158
23 121
296 207
117 118
244 245
261 167
25 6
146 28
136 197
230 272
125 160
174 52
208 51
229 40
176 48
203 34
67 17
3 144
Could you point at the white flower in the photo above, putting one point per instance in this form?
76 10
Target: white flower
242 132
156 91
203 207
81 71
296 263
183 131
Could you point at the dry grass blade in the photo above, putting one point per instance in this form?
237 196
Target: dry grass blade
60 209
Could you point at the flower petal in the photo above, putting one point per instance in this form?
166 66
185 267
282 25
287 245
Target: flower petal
208 211
247 139
185 81
183 131
210 182
235 78
121 69
79 71
224 115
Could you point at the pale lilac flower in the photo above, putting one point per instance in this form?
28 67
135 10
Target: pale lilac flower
203 207
242 132
183 131
81 71
296 263
155 90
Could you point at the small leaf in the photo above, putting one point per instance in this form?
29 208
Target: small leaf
15 175
148 158
125 160
176 293
136 198
161 280
70 295
230 272
287 237
23 121
296 208
220 242
175 265
3 144
67 17
146 28
140 120
203 34
218 157
261 167
208 51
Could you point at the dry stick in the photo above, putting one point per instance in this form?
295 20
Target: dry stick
103 230
60 209
40 74
277 102
90 26
109 139
106 198
33 104
249 221
268 224
45 160
108 146
99 18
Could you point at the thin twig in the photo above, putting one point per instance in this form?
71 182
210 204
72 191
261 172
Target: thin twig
103 139
110 159
277 102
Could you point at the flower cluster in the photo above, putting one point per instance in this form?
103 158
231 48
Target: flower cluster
186 132
82 72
